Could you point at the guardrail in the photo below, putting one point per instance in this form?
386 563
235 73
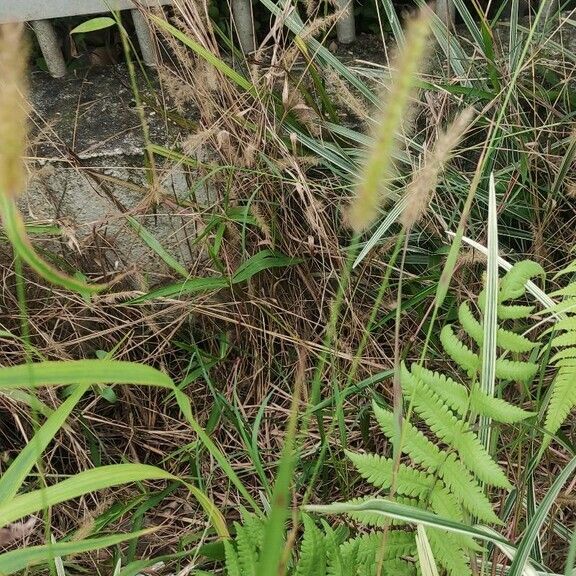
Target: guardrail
40 13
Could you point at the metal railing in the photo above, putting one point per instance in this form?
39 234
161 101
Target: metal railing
40 14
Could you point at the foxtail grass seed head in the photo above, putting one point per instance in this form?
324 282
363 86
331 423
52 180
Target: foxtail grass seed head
13 109
373 186
425 180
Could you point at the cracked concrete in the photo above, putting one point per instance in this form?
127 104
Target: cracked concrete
87 171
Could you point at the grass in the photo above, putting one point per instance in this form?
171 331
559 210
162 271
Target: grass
151 415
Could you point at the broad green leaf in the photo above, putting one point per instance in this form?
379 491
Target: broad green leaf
94 24
262 261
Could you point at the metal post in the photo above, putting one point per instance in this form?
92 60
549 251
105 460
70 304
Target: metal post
48 42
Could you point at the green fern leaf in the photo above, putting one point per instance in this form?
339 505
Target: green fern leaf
415 444
312 550
567 292
505 339
447 552
397 567
447 506
454 432
452 392
459 352
462 484
232 563
566 339
367 547
336 565
513 284
379 472
452 471
506 312
566 354
563 324
515 370
496 408
366 550
246 550
563 397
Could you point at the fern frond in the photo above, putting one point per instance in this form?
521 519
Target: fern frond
447 552
336 565
457 397
246 550
513 284
459 352
454 432
462 484
566 354
416 445
517 370
232 563
312 550
379 472
507 312
366 550
497 409
398 543
452 392
566 339
563 397
505 339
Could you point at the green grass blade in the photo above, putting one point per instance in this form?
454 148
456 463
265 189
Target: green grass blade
490 317
205 54
390 218
271 557
408 514
535 525
155 246
294 23
425 554
16 232
29 400
13 478
113 372
23 558
54 373
178 289
79 485
263 260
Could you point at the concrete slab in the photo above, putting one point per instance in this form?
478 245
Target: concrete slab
88 170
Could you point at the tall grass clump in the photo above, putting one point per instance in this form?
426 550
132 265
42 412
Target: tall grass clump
25 490
328 351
